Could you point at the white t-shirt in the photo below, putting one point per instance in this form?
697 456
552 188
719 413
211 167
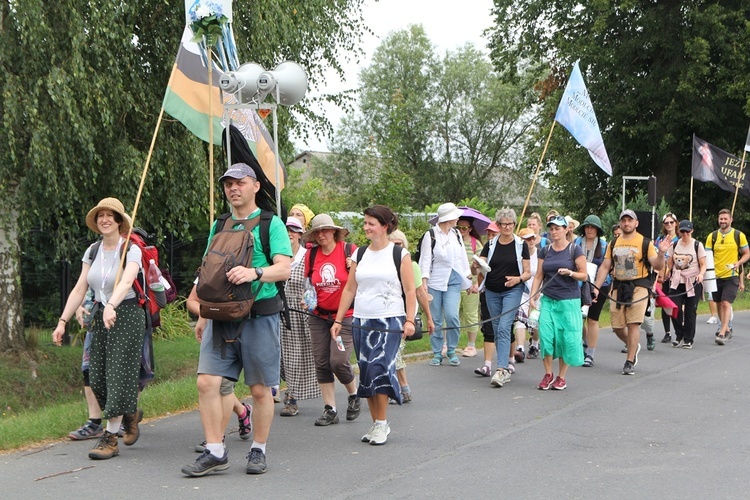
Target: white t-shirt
437 263
379 292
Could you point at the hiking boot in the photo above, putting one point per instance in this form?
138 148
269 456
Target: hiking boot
131 430
628 368
353 407
89 430
379 434
559 384
246 422
329 417
106 447
546 382
667 339
206 463
500 378
256 462
290 410
650 342
588 361
533 352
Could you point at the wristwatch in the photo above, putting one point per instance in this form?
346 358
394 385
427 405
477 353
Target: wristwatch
258 273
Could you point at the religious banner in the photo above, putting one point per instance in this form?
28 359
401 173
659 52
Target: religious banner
711 164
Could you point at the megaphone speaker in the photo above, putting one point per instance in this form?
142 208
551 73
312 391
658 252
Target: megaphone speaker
243 82
289 79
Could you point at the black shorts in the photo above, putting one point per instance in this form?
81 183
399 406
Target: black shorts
726 289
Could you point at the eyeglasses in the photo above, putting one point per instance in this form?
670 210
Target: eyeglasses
506 224
670 222
463 228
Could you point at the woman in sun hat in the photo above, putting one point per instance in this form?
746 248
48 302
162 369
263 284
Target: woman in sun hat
327 267
445 272
594 248
118 322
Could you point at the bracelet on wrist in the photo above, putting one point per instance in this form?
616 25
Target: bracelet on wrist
64 321
410 321
110 304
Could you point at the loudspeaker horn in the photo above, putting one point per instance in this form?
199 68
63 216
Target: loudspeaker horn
244 83
290 79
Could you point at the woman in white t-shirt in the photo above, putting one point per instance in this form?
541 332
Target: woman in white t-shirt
687 263
380 318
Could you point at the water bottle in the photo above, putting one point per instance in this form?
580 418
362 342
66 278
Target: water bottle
154 277
88 304
310 296
340 344
534 319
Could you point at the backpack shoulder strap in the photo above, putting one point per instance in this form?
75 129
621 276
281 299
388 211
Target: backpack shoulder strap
644 251
265 234
348 250
313 253
737 234
397 260
95 249
714 235
361 252
222 220
696 244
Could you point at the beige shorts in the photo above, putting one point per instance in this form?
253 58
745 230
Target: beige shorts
627 315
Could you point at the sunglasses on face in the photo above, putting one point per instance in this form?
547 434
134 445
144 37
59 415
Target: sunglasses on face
463 228
669 222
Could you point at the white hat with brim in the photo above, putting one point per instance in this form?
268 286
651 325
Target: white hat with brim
114 205
448 211
324 221
293 224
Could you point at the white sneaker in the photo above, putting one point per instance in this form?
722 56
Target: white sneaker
500 378
712 320
367 437
379 433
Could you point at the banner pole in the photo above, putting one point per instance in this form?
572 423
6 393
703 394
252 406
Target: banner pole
690 216
210 139
739 181
533 181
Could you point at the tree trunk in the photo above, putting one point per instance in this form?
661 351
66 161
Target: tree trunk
666 172
11 297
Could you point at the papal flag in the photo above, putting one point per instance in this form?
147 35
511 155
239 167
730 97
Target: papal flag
712 164
576 113
186 99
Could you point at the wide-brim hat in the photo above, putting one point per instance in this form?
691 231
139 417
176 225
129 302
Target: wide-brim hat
591 220
448 211
324 221
114 205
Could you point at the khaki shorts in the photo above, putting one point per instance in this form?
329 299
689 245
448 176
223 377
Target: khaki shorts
627 315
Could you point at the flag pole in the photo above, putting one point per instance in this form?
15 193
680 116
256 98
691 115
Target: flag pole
533 181
210 138
739 181
690 216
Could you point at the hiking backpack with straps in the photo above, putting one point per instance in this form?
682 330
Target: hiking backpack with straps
418 252
147 298
737 233
230 247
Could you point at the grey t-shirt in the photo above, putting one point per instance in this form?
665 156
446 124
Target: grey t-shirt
104 268
561 287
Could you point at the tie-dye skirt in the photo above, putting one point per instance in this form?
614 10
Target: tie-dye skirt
376 352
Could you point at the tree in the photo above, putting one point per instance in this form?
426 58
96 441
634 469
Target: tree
432 128
82 83
657 72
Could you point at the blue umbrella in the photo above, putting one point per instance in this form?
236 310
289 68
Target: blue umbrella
479 221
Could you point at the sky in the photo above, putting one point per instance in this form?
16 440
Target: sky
448 24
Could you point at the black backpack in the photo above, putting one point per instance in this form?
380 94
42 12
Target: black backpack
418 252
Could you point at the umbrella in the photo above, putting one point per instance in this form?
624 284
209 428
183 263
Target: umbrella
478 220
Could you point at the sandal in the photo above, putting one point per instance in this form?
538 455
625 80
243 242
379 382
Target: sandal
437 360
453 359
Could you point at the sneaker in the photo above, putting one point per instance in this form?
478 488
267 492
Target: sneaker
256 462
366 438
246 422
131 430
290 410
533 352
329 417
205 464
628 368
729 333
453 359
676 343
720 340
650 342
353 407
379 434
687 345
89 430
519 355
667 339
624 350
559 384
469 352
588 361
546 382
500 378
200 448
635 357
106 447
406 397
712 320
437 360
484 371
511 367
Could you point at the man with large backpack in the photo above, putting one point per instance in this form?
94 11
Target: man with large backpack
630 256
250 342
730 252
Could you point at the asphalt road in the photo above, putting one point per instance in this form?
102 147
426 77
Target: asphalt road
678 428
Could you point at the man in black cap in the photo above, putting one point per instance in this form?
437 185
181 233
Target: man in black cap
256 349
628 255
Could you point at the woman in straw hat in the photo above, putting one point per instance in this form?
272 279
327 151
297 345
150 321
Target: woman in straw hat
118 323
327 267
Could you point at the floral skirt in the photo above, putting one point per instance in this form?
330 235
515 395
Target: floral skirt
376 352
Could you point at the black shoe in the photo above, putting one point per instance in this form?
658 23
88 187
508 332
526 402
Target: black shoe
353 407
667 339
533 352
628 368
329 417
256 462
205 464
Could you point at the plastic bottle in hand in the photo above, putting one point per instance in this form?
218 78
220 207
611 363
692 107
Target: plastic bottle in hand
310 296
88 304
340 344
154 277
534 319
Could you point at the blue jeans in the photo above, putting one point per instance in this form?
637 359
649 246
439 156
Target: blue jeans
505 303
445 305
